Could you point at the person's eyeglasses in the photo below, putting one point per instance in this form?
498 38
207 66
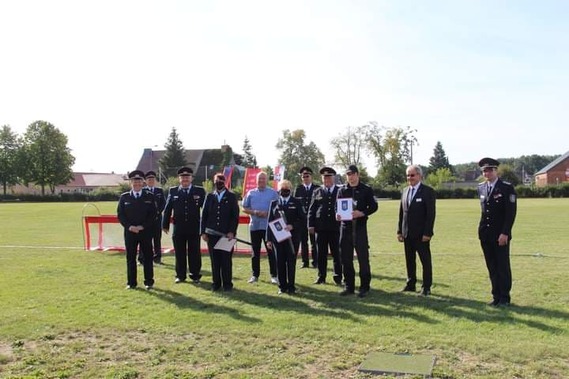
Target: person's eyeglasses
410 175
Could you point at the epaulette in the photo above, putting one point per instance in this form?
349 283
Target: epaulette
508 183
481 184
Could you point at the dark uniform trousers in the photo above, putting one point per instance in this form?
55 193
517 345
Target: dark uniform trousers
497 217
141 211
322 217
286 251
185 208
258 237
221 216
353 235
305 196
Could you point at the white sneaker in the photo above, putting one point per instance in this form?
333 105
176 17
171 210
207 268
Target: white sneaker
253 279
274 280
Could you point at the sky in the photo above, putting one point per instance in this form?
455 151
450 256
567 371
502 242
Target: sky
485 78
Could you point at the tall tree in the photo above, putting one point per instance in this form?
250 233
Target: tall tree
175 155
9 150
392 148
48 159
349 146
439 159
249 159
295 154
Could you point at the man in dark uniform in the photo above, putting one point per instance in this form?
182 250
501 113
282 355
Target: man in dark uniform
184 203
136 212
220 215
415 228
353 233
303 192
160 203
498 206
290 210
323 224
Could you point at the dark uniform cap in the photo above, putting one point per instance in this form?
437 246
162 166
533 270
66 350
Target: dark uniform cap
150 174
305 170
136 174
352 169
488 163
185 171
327 171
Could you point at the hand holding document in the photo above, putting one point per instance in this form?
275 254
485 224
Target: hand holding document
344 208
278 227
225 244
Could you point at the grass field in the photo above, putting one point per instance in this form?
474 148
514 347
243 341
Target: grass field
65 313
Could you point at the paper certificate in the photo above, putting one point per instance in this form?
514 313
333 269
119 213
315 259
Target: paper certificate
278 227
225 244
344 208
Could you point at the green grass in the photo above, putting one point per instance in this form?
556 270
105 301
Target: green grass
65 313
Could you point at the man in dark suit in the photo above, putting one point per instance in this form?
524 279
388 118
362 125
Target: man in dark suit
184 203
136 212
160 203
303 192
323 224
415 228
290 210
498 206
220 215
353 232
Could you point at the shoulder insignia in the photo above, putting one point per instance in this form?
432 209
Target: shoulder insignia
512 198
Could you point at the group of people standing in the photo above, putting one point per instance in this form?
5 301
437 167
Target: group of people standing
313 224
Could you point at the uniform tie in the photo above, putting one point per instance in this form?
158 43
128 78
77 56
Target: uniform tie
489 190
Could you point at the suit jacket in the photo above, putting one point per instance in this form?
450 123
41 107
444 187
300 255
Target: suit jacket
141 211
417 219
185 208
221 216
498 210
322 210
293 213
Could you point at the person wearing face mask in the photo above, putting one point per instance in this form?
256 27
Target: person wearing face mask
221 215
290 210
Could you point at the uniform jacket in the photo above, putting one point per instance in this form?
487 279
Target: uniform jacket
158 197
185 209
417 218
363 200
322 210
498 210
221 216
304 195
141 211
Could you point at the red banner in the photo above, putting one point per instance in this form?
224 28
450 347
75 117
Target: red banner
250 180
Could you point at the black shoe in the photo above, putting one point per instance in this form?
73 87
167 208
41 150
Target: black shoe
346 292
178 280
304 265
493 303
227 289
503 304
215 288
320 281
281 292
338 281
424 292
196 281
291 291
409 289
363 293
159 263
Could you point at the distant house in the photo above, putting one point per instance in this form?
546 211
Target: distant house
556 172
204 162
82 182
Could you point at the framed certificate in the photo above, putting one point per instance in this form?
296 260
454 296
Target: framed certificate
344 208
278 227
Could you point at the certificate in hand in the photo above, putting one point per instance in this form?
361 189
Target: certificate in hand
225 244
344 208
278 227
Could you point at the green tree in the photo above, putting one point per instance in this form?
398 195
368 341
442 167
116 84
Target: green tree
439 159
507 173
10 145
392 148
437 178
295 154
48 159
175 155
249 159
349 146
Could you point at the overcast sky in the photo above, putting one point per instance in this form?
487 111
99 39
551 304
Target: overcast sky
485 78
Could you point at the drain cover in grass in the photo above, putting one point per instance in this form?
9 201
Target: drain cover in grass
388 363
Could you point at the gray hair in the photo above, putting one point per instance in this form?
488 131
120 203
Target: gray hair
415 167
